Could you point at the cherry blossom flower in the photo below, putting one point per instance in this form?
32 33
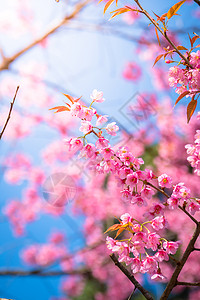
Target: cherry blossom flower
97 96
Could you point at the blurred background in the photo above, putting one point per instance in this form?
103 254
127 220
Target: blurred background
49 48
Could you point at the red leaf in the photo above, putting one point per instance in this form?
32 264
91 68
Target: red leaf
119 231
60 108
194 40
181 48
113 227
70 98
191 108
181 97
157 36
120 11
157 59
107 5
76 100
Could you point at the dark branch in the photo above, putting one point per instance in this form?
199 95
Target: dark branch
144 292
173 281
197 1
196 249
11 107
40 272
188 283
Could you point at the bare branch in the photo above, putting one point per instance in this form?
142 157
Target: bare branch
11 107
188 283
40 272
144 292
8 60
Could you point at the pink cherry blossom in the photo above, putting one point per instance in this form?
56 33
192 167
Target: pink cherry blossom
171 247
101 120
86 127
112 128
165 181
97 96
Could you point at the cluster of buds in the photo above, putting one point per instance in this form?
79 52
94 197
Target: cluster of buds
144 250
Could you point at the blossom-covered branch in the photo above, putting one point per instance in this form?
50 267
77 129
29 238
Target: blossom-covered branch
137 188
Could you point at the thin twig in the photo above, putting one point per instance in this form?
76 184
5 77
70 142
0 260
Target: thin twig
188 283
196 249
11 107
189 215
144 292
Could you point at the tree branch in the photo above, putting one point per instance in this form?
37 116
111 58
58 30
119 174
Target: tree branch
163 33
8 60
144 292
197 1
173 281
9 114
40 272
188 283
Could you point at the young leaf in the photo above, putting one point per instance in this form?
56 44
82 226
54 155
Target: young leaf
60 108
157 59
181 48
191 108
119 231
70 98
194 40
119 11
181 97
171 12
107 5
113 227
157 36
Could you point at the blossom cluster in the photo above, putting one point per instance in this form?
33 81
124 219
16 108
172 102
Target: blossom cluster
194 152
135 183
137 186
46 254
186 79
144 250
181 195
